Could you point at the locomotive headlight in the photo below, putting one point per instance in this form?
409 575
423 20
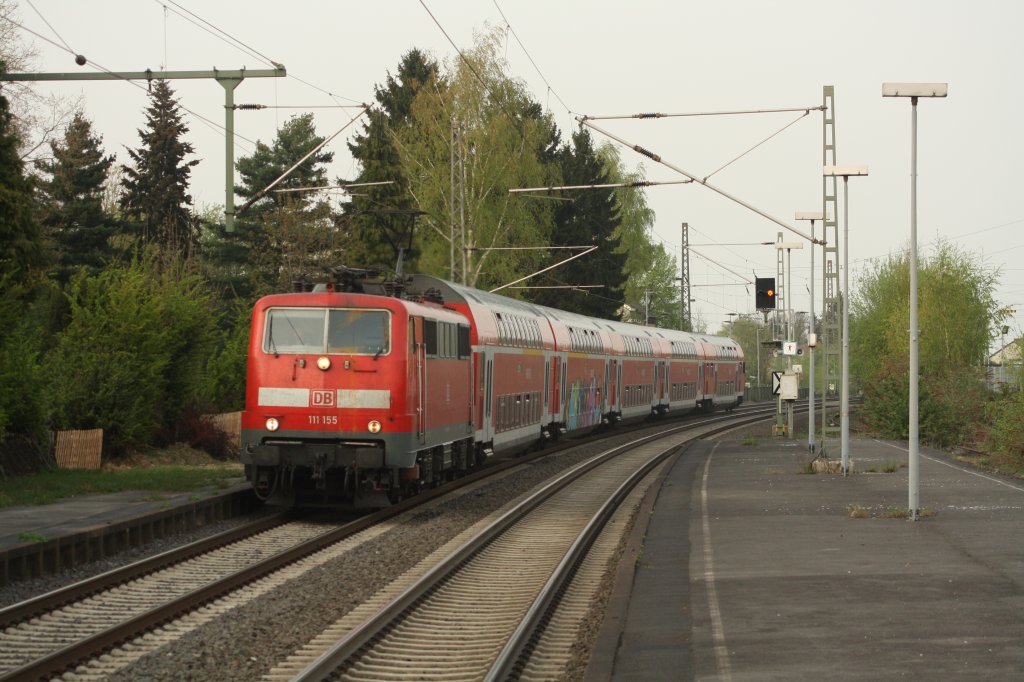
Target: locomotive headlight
323 362
373 426
272 424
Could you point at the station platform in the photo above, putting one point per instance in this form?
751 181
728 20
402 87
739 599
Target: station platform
45 539
751 569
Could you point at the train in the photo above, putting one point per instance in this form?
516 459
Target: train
362 391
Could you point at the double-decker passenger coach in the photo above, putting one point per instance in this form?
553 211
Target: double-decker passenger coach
361 392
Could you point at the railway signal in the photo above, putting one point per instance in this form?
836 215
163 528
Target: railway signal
765 293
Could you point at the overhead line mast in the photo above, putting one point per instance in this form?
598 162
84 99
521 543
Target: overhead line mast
228 79
831 310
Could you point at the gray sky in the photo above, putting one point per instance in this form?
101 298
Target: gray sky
603 58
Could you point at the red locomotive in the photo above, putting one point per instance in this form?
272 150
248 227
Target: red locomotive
358 390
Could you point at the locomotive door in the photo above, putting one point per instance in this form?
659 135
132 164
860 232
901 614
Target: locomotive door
418 377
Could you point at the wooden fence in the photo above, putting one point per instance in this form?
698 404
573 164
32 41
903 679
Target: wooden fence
79 449
231 424
83 449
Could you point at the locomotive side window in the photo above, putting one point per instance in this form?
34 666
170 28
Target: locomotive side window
446 340
321 330
430 336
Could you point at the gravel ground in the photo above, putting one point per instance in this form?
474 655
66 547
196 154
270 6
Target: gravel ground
255 637
21 590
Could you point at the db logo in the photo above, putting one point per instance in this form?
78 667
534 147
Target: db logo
322 399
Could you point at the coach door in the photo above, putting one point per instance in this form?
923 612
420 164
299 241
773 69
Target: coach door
612 379
487 386
663 380
556 384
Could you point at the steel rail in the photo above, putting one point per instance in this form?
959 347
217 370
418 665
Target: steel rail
58 661
519 644
50 601
324 665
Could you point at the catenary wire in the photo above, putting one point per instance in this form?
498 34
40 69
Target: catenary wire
50 26
249 50
530 57
213 124
501 104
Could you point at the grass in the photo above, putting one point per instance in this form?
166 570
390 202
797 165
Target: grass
896 512
750 440
887 468
855 511
50 486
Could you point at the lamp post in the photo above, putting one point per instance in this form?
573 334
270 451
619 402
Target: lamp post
913 91
844 401
812 340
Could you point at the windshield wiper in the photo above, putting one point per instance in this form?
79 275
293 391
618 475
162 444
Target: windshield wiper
270 335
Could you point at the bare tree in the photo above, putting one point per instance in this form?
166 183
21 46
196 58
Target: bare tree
38 117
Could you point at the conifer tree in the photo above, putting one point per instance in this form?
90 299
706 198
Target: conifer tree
72 198
591 218
379 222
19 230
20 258
156 185
284 235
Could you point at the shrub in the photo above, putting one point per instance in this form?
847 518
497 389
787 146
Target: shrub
22 405
1005 434
201 433
131 356
950 403
223 383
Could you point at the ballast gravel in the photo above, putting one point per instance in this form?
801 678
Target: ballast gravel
251 639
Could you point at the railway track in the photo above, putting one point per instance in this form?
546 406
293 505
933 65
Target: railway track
485 607
172 594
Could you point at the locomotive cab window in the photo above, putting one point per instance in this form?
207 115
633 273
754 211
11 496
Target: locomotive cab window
321 330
